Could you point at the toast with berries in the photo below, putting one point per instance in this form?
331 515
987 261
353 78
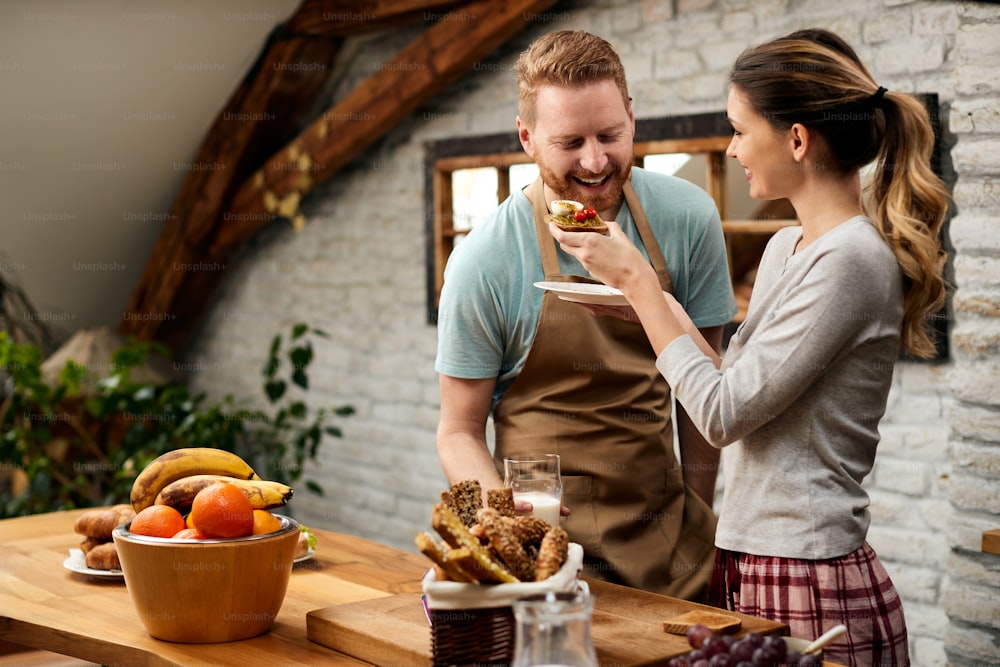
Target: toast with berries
572 216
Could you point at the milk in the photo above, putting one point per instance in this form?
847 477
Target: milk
545 506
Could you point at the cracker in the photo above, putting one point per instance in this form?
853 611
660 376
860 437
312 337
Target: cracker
502 500
718 623
465 498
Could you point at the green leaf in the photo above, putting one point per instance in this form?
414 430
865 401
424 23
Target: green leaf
298 330
145 393
273 360
314 487
300 378
275 389
301 356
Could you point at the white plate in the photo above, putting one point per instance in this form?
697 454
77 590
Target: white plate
77 562
592 293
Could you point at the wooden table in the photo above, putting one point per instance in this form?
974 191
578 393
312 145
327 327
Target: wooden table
45 606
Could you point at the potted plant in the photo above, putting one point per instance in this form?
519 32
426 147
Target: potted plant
62 448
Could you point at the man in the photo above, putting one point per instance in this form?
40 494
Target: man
556 378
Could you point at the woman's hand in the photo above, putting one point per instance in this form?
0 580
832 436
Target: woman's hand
615 261
612 259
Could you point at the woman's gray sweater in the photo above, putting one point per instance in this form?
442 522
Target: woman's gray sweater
803 385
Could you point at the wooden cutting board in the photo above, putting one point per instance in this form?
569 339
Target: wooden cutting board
627 628
385 631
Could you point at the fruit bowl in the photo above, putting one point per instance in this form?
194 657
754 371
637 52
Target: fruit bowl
207 591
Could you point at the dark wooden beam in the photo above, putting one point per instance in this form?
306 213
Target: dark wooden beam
272 105
215 214
439 56
350 17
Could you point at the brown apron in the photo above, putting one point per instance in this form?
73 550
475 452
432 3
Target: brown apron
590 392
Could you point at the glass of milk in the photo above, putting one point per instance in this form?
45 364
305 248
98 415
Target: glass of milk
535 478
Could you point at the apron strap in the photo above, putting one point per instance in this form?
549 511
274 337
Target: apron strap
547 245
550 259
648 239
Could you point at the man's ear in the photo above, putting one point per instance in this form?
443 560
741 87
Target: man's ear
800 141
524 135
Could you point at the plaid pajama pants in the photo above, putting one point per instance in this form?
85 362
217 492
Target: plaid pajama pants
812 596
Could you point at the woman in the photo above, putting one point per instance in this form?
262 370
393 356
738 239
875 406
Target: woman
797 400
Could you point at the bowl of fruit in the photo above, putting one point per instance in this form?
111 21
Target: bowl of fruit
204 559
710 649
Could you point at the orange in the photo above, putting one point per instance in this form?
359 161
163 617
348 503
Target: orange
189 534
157 521
264 522
187 521
222 510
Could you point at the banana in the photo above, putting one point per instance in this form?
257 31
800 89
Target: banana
185 462
262 494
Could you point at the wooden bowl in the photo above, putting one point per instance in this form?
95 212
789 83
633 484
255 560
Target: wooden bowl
207 591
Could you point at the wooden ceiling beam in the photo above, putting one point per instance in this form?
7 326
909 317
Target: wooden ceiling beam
351 17
440 55
271 105
218 210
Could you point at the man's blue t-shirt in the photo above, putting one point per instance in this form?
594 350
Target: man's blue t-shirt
489 306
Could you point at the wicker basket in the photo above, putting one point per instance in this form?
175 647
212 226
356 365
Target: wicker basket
472 637
474 625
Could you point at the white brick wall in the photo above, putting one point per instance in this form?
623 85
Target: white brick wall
357 271
969 594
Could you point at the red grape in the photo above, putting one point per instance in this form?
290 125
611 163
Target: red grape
752 650
697 634
778 645
742 650
765 656
714 645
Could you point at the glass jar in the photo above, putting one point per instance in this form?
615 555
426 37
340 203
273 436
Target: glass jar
553 629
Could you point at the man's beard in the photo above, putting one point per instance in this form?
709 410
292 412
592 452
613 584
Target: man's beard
566 187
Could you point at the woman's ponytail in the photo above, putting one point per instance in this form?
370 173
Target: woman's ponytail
815 78
910 203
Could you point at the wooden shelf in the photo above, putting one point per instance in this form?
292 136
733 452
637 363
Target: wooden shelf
756 226
991 541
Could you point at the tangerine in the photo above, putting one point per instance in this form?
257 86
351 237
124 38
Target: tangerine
189 534
157 521
264 522
222 510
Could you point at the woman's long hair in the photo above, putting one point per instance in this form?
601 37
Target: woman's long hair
814 78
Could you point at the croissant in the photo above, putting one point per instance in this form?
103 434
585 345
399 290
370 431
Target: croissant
89 543
98 524
104 557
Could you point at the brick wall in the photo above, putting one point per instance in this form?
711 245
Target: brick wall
969 591
357 271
